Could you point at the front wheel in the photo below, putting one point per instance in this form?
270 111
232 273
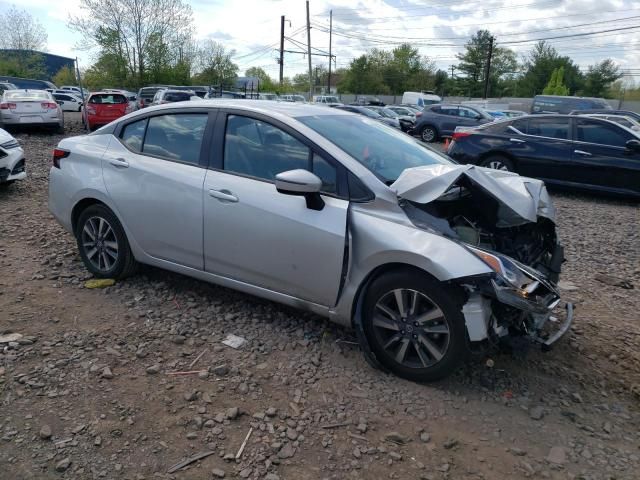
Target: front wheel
414 325
429 134
103 244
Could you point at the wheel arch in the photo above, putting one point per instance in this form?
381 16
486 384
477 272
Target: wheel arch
81 206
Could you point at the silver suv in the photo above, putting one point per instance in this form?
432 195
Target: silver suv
321 210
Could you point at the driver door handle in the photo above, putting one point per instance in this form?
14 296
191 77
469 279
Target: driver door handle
119 162
582 152
223 195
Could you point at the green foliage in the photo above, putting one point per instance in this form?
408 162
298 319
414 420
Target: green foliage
473 63
266 83
16 64
540 64
388 72
215 65
599 78
556 85
65 76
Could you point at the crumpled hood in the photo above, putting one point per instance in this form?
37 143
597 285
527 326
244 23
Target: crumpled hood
521 199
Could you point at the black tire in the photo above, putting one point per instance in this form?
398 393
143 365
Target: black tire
60 129
124 264
429 134
498 162
452 346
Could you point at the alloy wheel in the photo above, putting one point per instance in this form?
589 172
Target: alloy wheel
100 243
428 135
411 328
497 165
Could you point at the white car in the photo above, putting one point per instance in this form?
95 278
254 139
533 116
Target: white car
75 90
11 159
31 107
68 102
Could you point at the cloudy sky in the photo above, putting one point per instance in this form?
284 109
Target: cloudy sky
438 27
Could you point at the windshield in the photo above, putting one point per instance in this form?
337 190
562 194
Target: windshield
383 150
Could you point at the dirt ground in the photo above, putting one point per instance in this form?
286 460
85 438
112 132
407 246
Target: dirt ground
87 392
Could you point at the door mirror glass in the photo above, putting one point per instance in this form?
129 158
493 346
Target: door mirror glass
633 145
303 183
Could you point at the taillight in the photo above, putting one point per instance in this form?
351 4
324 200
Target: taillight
7 106
49 105
141 103
90 110
459 135
127 109
418 114
59 154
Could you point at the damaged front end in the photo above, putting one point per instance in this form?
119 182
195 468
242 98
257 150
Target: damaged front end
508 222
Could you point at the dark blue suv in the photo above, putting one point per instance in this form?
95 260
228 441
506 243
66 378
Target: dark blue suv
441 120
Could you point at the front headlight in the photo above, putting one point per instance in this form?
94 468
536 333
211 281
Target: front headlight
505 268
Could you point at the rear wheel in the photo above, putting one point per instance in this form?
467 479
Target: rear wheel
429 134
498 162
414 325
103 244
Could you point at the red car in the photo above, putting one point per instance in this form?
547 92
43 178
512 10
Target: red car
102 108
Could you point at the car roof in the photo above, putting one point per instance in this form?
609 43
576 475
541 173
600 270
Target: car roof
267 107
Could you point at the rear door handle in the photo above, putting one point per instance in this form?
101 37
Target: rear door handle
516 140
119 162
582 152
223 195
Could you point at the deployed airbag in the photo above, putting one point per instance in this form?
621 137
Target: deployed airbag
521 199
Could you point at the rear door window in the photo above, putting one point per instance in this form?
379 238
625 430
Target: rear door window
549 127
592 131
133 135
176 136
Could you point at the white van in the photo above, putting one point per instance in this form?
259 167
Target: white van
420 99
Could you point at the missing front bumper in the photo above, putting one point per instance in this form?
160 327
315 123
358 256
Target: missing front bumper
557 332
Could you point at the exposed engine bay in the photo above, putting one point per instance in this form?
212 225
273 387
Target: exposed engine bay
508 222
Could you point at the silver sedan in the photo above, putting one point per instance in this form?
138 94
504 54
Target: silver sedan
322 210
30 107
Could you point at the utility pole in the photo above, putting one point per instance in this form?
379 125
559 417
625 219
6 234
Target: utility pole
487 69
86 124
281 49
330 58
309 53
452 69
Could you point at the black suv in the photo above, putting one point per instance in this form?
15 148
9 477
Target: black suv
569 150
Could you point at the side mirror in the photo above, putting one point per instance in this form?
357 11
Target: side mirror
301 183
633 145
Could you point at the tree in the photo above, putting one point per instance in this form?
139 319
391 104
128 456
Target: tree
20 31
539 66
144 34
473 63
266 83
65 76
21 36
214 65
599 77
556 85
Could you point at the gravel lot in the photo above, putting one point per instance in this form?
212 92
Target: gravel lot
86 392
